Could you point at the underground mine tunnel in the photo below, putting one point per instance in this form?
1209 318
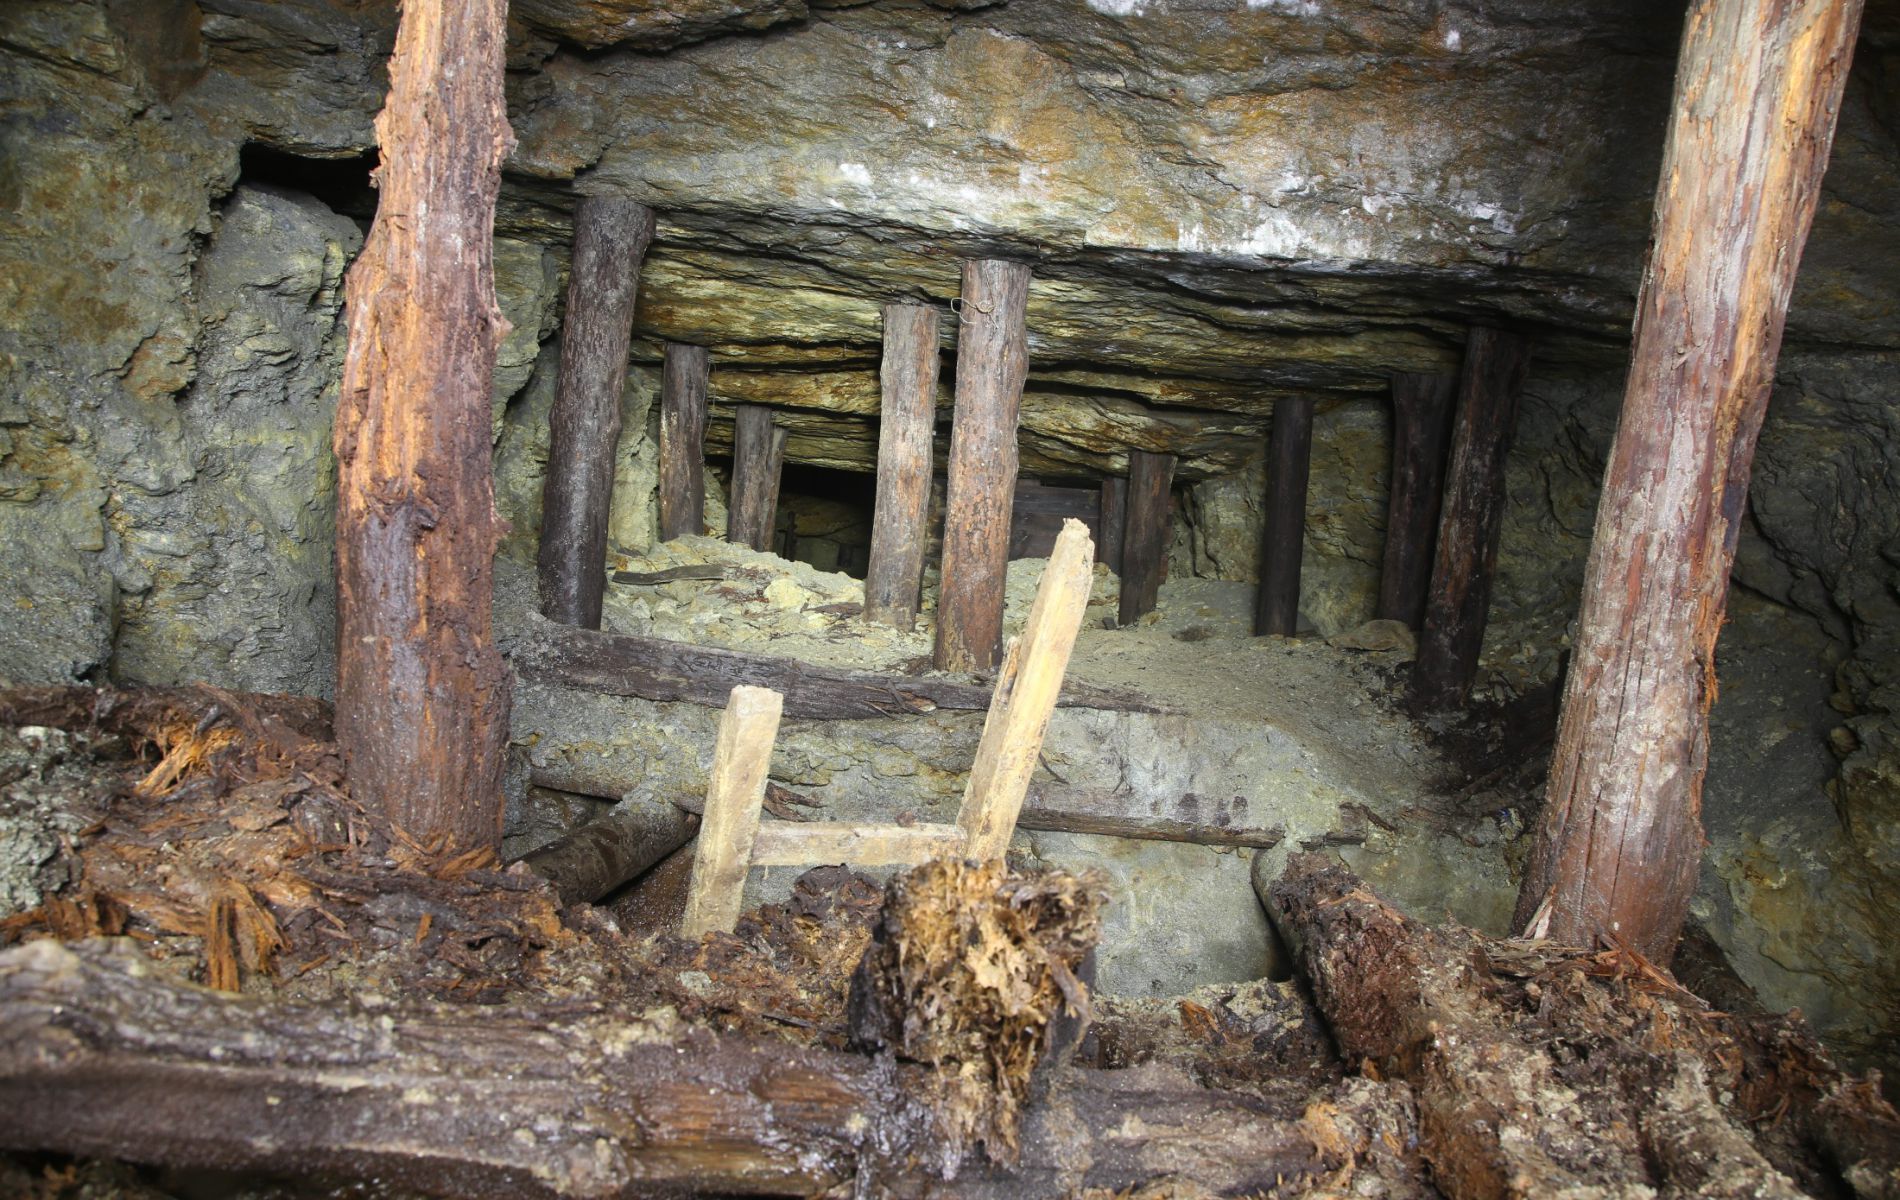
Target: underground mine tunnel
1115 598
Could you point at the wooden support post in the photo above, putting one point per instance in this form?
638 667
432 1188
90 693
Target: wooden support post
1147 529
1026 691
1114 521
1757 91
683 441
1459 602
1421 427
611 235
421 693
758 455
906 424
734 795
1277 605
992 362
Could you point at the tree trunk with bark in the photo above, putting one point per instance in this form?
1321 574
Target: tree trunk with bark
421 695
1758 88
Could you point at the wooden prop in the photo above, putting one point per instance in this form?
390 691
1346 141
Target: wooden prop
1114 521
683 440
906 425
1277 607
758 456
1620 842
1145 540
422 695
588 862
1421 427
611 235
992 361
1473 516
731 821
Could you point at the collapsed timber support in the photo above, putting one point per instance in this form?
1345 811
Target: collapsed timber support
1277 610
683 383
900 528
1757 92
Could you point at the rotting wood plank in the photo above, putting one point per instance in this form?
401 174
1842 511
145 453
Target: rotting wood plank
992 362
806 843
734 796
1421 429
683 381
1146 533
907 418
1025 697
611 236
758 456
1283 535
1758 88
618 664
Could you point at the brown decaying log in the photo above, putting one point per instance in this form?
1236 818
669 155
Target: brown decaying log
1114 521
1283 538
1145 533
1472 517
422 697
105 1057
992 362
617 664
1757 91
1421 427
907 420
683 381
611 235
758 455
588 862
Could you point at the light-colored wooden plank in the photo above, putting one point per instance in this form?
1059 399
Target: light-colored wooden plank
731 822
1025 696
804 843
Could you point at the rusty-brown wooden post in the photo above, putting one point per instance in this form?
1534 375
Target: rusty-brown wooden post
611 235
1758 88
1146 533
1289 455
907 421
421 694
758 457
1421 426
1114 521
1471 519
683 382
992 362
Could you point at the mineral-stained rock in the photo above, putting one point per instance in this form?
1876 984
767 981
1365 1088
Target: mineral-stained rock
651 24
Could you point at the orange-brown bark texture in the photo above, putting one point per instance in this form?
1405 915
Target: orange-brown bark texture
1758 88
421 696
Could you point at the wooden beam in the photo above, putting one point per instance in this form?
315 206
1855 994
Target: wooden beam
422 695
616 664
810 843
1283 538
618 846
1757 92
1421 428
611 235
1459 603
1114 522
734 795
1148 529
683 440
992 361
758 455
1201 820
1026 691
907 419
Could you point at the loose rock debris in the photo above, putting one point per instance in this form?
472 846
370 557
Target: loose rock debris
239 929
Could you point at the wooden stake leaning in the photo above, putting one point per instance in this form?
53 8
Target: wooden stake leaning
1025 696
733 799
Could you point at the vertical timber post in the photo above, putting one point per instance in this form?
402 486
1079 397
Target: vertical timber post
758 457
1472 517
683 440
1114 521
1277 607
1421 426
906 425
992 362
421 694
1758 89
611 235
1145 541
